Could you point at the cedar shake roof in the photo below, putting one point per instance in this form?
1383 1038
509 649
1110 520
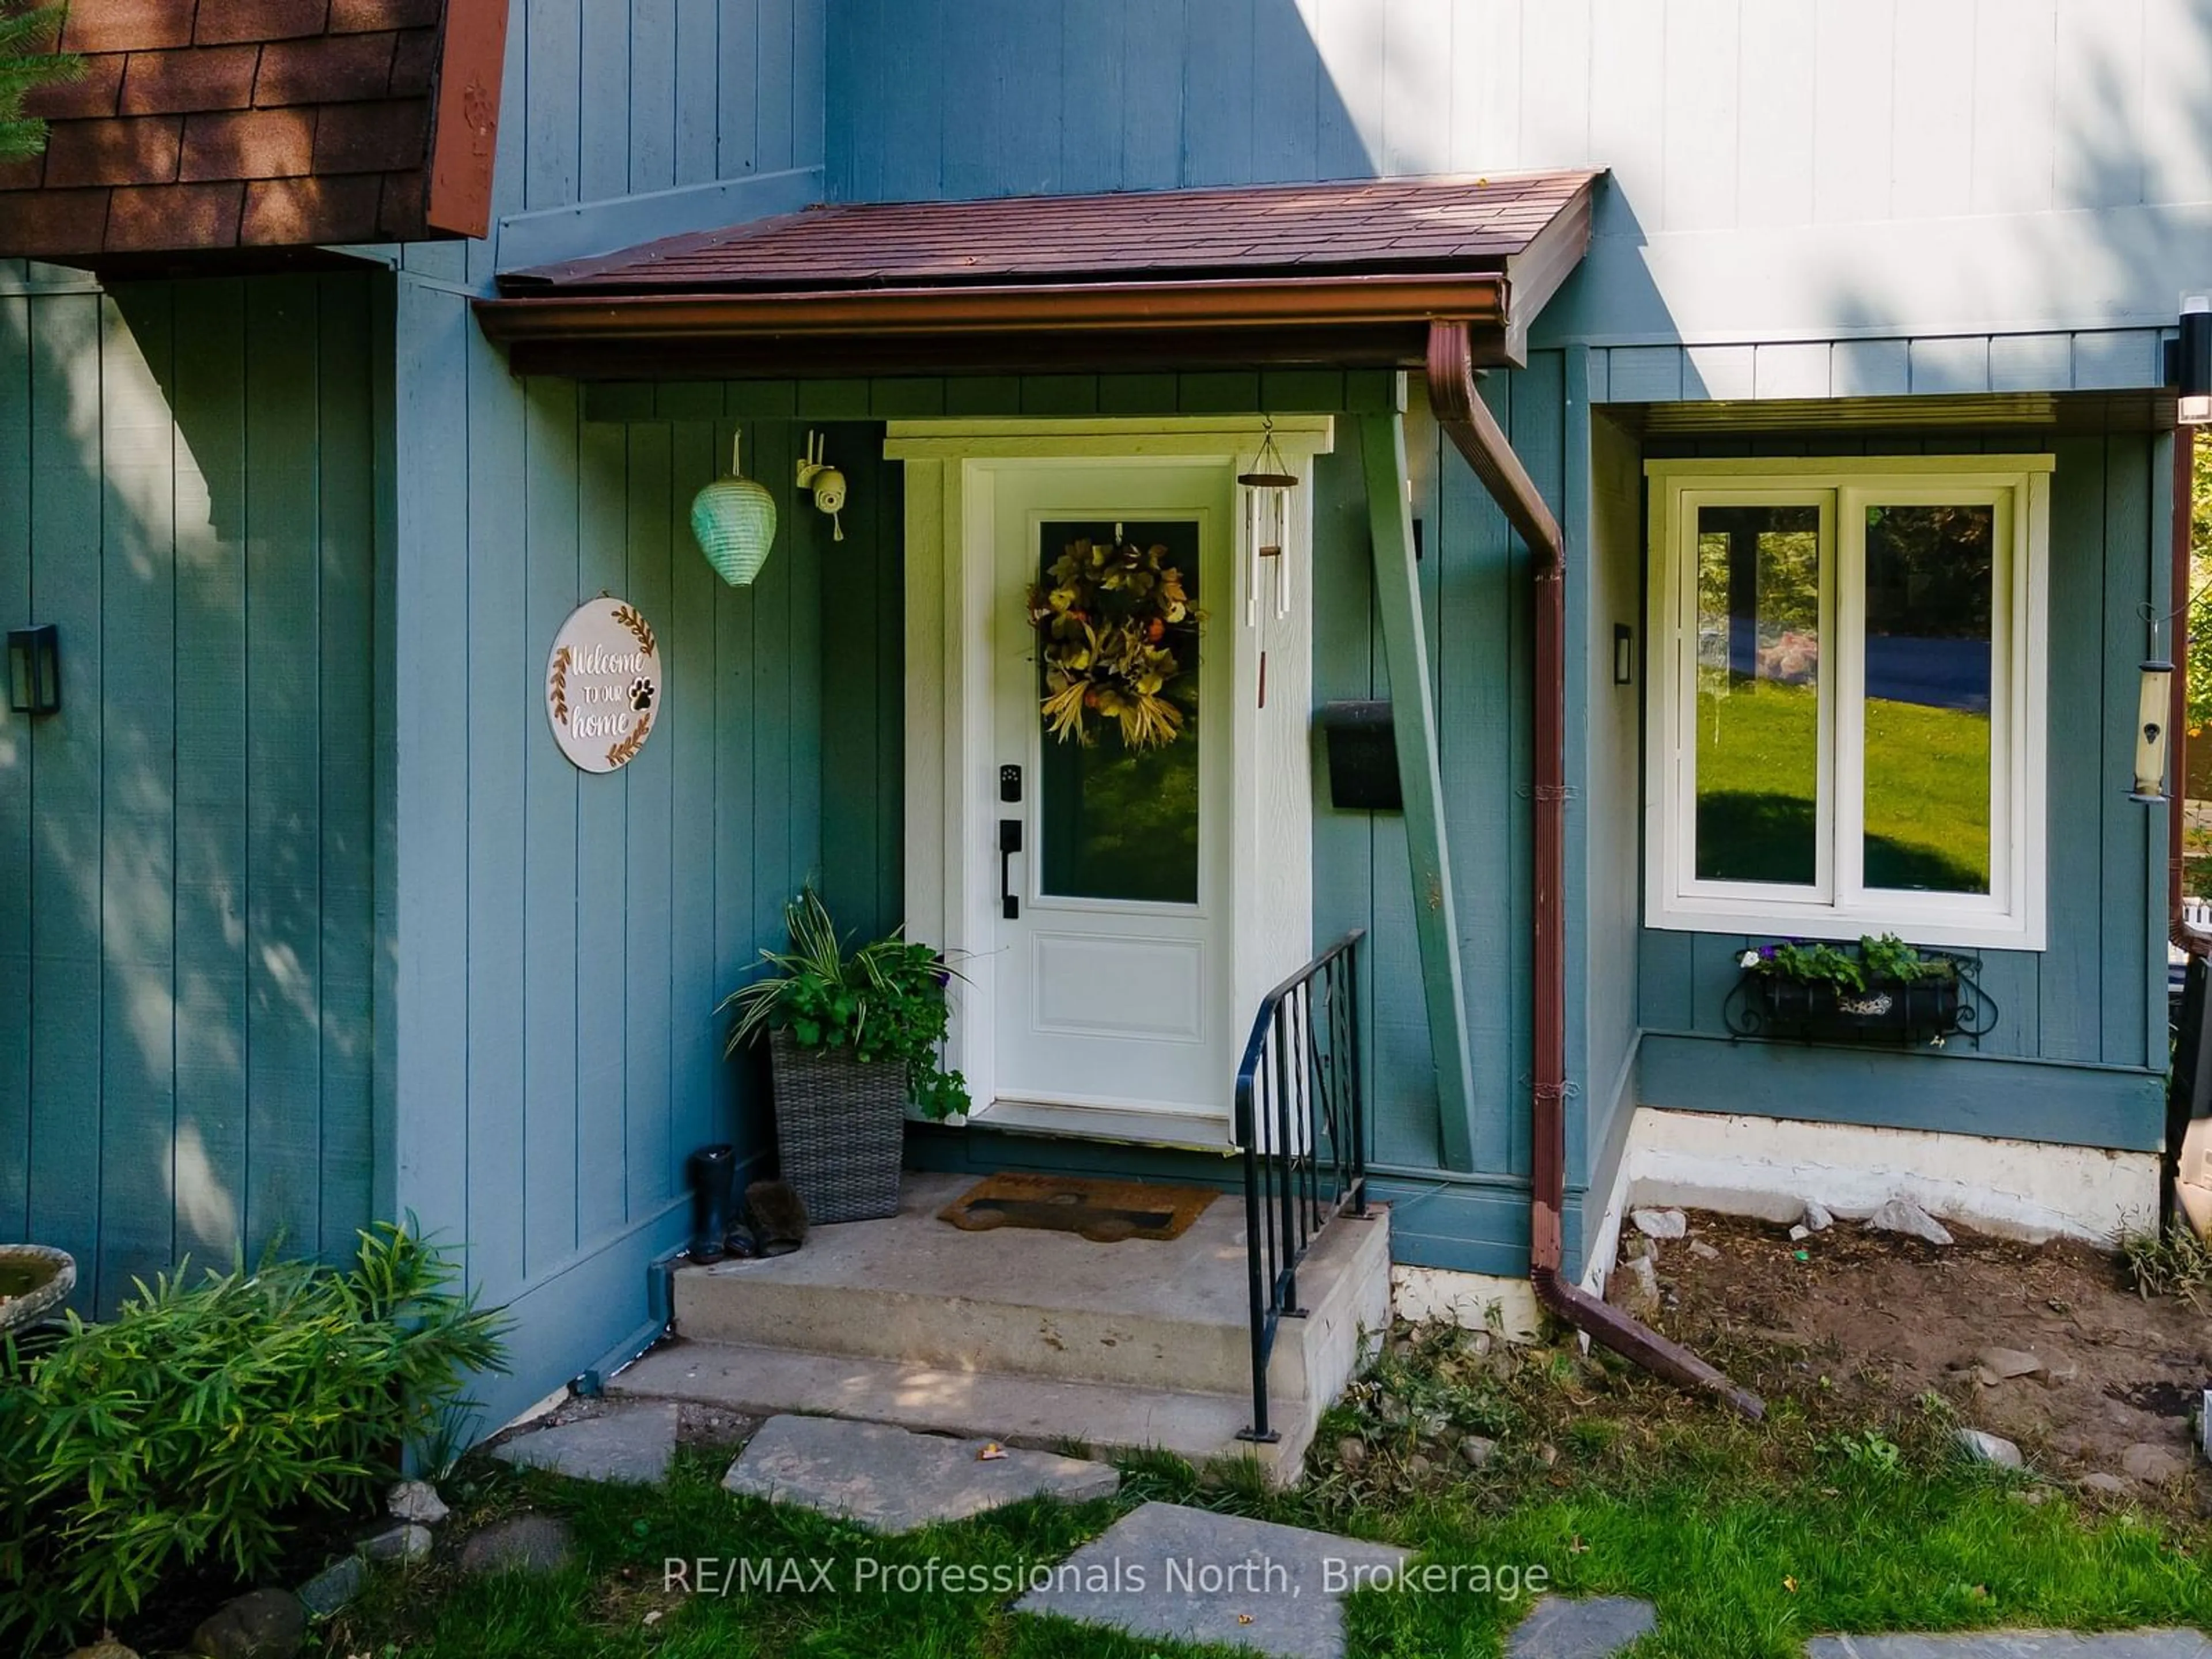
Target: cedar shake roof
260 125
1376 226
1346 274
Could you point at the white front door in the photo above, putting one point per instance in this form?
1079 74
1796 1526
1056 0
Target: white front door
1111 964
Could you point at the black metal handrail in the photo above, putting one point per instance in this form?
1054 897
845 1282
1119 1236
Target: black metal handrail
1302 1122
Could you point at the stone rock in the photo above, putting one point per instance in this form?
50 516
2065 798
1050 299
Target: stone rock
1800 1233
1816 1219
1351 1452
333 1586
2152 1464
1640 1285
1558 1627
2002 1365
2016 1645
1983 1447
405 1542
522 1543
1902 1215
632 1444
265 1624
1476 1451
1703 1251
1419 1466
1661 1223
416 1501
102 1650
894 1481
2110 1484
1255 1584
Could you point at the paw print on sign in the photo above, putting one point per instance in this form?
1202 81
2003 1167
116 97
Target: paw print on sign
641 695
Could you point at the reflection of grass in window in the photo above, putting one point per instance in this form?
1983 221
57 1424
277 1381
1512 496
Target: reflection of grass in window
1757 772
1927 798
1928 803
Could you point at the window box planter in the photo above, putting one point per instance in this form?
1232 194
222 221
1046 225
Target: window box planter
1900 996
1886 1008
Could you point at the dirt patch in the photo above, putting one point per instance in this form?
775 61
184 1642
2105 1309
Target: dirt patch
1883 1320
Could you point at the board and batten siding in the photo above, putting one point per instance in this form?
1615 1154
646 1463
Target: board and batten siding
187 849
562 938
2078 1052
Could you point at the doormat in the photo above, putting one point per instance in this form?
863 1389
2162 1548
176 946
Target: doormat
1104 1212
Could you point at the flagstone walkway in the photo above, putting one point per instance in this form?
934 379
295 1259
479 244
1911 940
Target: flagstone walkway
1168 1572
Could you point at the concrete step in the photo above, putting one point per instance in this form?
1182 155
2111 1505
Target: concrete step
1022 1303
1029 1411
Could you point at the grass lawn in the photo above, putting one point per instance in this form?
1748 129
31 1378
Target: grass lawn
1749 1537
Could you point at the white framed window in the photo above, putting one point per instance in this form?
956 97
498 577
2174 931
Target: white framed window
1846 731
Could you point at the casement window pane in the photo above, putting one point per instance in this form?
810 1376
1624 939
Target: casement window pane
1759 699
1930 579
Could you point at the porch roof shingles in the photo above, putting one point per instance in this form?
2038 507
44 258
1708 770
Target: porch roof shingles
1369 226
1343 274
240 123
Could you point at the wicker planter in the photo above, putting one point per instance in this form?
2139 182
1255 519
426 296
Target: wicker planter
840 1127
1886 1008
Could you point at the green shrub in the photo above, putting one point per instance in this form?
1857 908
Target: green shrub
203 1424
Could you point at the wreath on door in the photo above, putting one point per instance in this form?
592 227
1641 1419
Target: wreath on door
1116 630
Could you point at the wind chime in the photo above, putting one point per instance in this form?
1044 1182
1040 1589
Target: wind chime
1268 488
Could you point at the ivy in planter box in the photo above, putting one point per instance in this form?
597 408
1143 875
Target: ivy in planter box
1880 987
884 1003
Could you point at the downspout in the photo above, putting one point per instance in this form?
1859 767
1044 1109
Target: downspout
1475 433
2195 940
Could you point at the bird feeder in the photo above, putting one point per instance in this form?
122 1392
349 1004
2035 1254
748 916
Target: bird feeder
2150 732
1267 489
734 518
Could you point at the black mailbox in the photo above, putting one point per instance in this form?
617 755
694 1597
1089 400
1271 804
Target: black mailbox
1363 758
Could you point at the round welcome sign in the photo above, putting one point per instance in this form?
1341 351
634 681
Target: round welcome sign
602 685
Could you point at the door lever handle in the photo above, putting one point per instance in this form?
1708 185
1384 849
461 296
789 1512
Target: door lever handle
1010 842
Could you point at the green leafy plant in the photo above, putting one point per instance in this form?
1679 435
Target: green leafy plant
1887 959
203 1423
28 32
2175 1262
884 1001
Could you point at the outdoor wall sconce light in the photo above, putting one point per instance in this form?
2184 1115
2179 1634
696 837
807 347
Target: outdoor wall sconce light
2193 369
2150 732
1623 654
1268 488
826 483
34 670
734 518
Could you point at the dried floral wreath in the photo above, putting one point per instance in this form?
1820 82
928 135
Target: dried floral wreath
1115 627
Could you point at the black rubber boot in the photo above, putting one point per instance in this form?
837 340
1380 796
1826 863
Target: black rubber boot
709 1172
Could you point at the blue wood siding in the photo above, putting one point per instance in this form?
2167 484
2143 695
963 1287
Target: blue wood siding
562 938
186 914
2088 1013
1812 171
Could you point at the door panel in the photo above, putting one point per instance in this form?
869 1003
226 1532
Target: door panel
1112 968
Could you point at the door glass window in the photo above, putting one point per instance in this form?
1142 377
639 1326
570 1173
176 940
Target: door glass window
1115 823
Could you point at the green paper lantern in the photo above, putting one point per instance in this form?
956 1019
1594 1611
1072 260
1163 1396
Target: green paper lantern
734 518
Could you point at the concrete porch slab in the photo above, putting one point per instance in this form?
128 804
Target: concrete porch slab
1140 1312
894 1481
1019 1411
1171 1573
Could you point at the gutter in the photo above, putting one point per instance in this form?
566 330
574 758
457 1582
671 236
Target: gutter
1475 433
